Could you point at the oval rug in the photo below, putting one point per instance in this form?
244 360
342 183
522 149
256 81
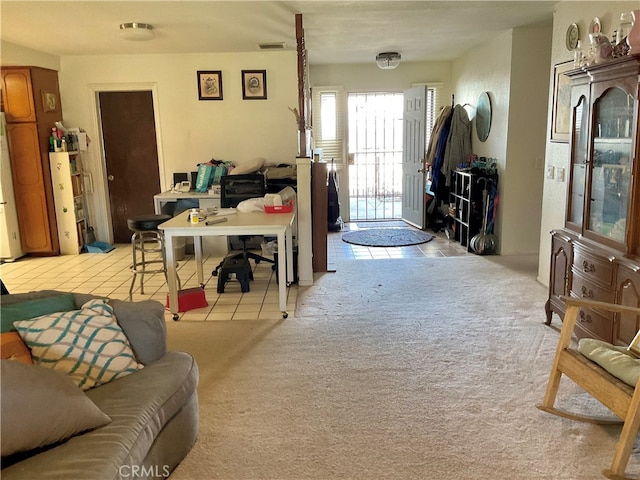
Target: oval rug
387 237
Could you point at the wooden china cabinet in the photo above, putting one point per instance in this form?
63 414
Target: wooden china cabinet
597 254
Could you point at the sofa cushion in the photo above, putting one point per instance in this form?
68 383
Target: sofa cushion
31 305
615 360
41 406
87 344
13 348
142 322
140 406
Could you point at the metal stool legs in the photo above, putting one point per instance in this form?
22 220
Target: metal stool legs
146 243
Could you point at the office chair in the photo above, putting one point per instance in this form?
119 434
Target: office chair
233 190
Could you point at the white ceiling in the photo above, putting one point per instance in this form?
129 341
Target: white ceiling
335 31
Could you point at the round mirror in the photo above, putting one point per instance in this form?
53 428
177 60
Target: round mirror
483 116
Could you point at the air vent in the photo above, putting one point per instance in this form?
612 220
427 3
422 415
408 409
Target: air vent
272 46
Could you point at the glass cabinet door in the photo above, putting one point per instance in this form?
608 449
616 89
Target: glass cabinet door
580 144
610 173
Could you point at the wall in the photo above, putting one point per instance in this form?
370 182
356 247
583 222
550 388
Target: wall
189 131
512 68
557 154
16 55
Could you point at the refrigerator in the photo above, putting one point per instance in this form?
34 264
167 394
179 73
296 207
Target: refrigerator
10 248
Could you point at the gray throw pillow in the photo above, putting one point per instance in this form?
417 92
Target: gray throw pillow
41 406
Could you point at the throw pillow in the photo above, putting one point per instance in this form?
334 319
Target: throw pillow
87 344
615 360
251 166
41 407
13 348
31 308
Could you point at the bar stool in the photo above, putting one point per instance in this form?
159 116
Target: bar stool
147 239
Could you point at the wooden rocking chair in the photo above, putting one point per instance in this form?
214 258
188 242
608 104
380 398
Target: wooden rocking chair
617 396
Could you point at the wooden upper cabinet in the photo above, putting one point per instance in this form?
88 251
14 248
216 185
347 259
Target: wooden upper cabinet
17 95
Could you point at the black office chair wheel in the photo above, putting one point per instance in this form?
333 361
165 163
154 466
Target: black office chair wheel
175 317
285 314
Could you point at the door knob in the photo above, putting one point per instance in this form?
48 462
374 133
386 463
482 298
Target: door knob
111 178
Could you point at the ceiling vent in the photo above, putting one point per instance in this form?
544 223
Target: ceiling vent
272 46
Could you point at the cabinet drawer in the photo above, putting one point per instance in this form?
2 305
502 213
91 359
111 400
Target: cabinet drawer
592 324
584 288
596 269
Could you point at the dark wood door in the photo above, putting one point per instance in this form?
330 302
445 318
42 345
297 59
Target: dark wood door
131 156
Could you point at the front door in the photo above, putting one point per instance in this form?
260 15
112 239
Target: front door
131 156
413 172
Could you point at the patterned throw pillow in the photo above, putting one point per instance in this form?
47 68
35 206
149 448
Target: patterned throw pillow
87 344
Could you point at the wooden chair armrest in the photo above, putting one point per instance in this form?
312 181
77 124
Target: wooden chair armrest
610 307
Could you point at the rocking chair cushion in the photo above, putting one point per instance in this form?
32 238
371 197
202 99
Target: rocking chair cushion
615 360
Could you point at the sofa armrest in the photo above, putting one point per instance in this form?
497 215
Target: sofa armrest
142 322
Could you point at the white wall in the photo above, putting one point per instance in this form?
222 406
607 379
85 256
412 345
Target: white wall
16 55
190 131
557 154
487 68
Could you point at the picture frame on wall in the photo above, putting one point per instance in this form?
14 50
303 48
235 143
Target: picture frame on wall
561 114
49 101
254 84
209 85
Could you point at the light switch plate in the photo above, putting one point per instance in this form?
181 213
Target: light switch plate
551 171
560 174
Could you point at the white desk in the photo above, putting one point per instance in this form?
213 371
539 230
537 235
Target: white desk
253 223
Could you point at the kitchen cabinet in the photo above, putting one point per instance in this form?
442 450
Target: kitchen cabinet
597 254
31 101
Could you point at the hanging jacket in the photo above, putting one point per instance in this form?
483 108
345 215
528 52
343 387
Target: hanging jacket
440 149
435 134
458 143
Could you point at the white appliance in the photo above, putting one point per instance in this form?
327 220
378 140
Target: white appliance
10 248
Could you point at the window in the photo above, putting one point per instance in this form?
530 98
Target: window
328 122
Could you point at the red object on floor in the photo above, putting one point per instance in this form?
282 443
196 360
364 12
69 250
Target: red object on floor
189 299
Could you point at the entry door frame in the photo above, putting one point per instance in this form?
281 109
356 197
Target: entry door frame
101 209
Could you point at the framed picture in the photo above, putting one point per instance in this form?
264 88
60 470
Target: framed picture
254 84
209 85
561 114
49 101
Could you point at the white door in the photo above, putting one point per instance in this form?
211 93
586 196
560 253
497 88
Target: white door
414 150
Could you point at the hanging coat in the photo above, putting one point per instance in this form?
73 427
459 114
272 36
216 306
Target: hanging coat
458 144
435 134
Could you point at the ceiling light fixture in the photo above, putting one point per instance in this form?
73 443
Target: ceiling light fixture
388 60
136 31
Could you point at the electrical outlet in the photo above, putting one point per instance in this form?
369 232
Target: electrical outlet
551 171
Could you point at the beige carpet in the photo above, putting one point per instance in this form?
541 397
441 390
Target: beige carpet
392 369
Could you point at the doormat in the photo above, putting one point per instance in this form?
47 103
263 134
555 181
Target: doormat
387 237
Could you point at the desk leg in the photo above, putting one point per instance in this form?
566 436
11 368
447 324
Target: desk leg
282 267
197 244
171 276
289 247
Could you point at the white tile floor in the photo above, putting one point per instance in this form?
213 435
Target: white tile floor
109 274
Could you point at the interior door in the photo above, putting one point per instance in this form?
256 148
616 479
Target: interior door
131 156
413 153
